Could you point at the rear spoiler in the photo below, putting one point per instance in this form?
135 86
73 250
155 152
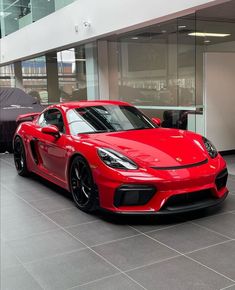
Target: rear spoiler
26 117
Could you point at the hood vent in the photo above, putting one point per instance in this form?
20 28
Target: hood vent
180 166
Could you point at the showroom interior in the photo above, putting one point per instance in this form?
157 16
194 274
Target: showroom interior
167 60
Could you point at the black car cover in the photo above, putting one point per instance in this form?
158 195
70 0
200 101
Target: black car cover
13 102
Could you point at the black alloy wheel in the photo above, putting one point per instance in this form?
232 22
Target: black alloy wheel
82 185
20 157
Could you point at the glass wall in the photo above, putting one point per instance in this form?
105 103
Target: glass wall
15 14
34 77
7 76
77 73
157 72
66 75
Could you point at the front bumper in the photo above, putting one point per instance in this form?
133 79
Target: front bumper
175 191
180 209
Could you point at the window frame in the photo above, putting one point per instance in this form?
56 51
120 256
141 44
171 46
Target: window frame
46 124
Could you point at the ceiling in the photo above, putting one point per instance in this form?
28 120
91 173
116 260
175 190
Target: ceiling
222 12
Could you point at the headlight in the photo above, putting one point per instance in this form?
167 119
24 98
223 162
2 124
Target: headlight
210 148
115 159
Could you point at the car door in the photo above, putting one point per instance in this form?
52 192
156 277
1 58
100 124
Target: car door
52 150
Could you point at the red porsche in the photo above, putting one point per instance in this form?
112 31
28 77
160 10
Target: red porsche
109 155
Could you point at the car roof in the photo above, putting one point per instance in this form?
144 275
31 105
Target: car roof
81 104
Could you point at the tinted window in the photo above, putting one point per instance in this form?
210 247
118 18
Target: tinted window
52 117
108 118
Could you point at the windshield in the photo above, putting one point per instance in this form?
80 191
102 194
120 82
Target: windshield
110 118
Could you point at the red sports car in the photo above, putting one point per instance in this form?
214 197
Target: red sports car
109 155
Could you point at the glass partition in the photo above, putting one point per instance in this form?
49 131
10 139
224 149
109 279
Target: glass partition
7 76
34 76
61 3
156 71
16 14
77 73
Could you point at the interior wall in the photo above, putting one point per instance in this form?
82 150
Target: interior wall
85 20
219 86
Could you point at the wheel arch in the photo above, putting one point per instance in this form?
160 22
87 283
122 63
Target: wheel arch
72 157
25 170
15 136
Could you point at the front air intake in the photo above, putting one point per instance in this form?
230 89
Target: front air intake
221 179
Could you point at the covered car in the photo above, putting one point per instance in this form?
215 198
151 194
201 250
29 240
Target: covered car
13 102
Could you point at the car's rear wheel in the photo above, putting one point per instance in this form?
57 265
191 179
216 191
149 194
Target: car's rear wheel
82 185
20 157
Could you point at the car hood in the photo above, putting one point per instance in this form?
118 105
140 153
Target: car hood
155 147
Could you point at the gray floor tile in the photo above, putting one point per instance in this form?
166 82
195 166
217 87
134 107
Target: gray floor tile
53 204
28 186
148 223
187 237
17 278
37 193
179 274
149 227
220 258
52 257
70 270
8 259
231 176
20 184
134 252
19 228
6 164
119 282
230 159
230 288
223 224
98 232
231 184
18 210
9 199
229 203
44 245
70 217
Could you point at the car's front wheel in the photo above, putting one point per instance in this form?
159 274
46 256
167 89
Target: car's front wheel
82 185
20 157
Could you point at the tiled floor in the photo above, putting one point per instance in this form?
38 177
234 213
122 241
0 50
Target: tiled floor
47 243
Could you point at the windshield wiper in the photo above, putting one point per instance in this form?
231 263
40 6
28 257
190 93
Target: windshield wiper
139 128
98 131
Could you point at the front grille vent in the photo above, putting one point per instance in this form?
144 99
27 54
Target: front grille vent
185 199
221 179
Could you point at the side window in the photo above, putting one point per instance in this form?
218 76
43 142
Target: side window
42 120
52 117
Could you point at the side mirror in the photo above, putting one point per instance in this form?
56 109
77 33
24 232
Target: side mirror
157 121
51 130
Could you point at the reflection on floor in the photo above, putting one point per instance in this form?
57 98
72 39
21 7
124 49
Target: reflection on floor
47 243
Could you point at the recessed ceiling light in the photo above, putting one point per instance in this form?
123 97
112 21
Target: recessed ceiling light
135 37
163 31
182 26
207 41
205 34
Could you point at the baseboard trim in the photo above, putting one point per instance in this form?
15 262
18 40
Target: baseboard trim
227 152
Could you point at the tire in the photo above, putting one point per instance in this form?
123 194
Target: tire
82 186
20 157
